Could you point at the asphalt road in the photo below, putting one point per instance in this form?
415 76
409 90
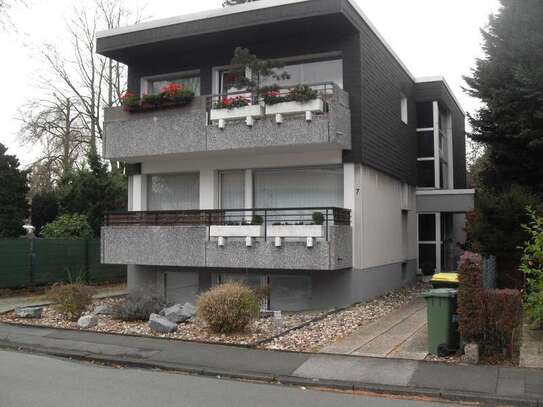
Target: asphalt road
39 381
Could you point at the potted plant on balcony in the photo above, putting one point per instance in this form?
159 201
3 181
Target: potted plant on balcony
314 230
130 102
172 95
236 107
300 99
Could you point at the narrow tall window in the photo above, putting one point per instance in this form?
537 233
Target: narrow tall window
403 107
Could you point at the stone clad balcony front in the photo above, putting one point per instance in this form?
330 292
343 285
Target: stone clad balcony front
134 136
275 238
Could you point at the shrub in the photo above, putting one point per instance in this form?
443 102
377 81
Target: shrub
490 318
138 305
232 102
301 93
318 218
470 299
68 226
532 267
495 228
44 209
257 220
228 307
72 299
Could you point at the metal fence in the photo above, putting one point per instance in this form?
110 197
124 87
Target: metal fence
32 262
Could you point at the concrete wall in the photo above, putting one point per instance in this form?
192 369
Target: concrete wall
188 246
136 136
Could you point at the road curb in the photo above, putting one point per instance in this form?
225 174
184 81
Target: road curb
442 395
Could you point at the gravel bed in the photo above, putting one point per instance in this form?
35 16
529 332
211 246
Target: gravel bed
193 330
335 326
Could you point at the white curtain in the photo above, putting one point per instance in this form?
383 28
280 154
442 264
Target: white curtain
173 192
298 187
232 190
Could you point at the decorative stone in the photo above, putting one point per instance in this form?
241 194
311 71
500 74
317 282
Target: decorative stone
28 312
189 309
178 313
161 324
103 309
87 321
471 353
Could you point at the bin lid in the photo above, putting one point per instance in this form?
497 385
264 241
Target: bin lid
441 292
446 277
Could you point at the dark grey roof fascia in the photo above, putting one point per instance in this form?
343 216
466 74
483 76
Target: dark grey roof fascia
442 81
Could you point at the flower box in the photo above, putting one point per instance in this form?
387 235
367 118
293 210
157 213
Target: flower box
235 113
295 231
236 231
315 105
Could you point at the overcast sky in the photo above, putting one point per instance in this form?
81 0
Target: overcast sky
431 37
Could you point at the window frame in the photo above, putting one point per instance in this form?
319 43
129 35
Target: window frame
146 80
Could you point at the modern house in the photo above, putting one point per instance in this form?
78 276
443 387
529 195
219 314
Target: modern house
326 201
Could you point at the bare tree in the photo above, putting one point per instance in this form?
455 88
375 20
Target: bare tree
5 7
58 127
93 80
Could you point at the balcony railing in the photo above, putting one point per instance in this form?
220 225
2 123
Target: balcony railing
264 217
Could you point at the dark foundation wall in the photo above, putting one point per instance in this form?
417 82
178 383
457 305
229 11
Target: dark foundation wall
437 90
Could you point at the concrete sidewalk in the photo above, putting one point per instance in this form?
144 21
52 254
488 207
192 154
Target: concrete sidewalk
488 383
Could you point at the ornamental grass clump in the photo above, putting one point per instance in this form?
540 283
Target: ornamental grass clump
138 305
228 308
71 300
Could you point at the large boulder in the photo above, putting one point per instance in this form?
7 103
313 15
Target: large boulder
161 324
103 309
28 312
178 313
87 321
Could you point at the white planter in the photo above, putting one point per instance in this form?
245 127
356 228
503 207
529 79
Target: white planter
315 105
295 231
236 113
236 231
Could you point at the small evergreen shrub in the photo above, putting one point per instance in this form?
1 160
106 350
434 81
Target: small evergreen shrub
228 308
69 226
138 305
301 94
72 299
318 218
532 267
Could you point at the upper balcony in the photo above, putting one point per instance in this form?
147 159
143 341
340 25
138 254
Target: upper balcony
200 127
275 238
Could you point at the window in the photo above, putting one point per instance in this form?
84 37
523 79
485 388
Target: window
232 189
155 84
298 187
425 144
173 192
425 173
311 72
403 107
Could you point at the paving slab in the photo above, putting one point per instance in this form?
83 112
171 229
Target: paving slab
354 369
531 351
415 347
399 334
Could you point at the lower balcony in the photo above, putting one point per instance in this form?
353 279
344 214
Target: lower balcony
274 238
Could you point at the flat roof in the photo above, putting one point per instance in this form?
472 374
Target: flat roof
222 19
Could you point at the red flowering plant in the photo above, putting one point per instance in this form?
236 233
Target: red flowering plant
271 95
232 102
130 102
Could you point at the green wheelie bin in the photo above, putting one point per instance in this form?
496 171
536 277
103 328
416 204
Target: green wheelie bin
443 335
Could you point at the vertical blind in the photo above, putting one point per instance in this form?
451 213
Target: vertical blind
232 190
298 187
173 192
